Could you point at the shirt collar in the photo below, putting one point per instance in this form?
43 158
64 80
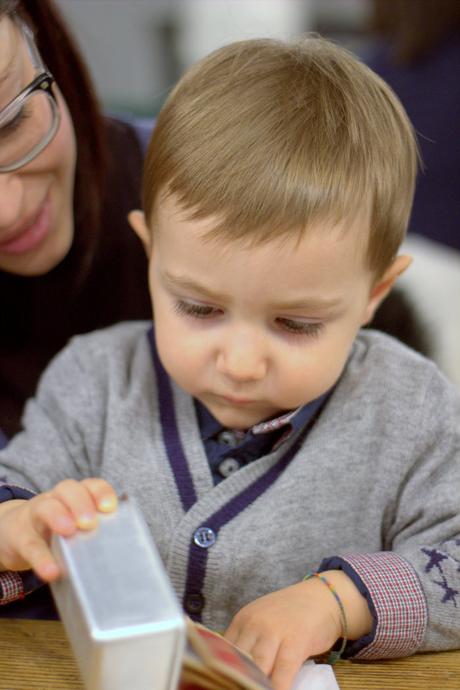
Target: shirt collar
293 420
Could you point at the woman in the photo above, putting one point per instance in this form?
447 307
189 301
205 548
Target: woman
68 177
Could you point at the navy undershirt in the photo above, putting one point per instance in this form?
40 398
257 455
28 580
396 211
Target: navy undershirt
228 450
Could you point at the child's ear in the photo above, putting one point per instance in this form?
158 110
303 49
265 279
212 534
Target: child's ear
136 220
384 284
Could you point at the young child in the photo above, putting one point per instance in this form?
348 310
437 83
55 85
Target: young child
267 438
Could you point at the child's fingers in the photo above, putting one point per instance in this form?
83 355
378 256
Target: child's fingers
103 494
246 640
262 649
264 653
79 502
40 559
232 632
289 659
48 513
69 505
84 499
26 527
25 535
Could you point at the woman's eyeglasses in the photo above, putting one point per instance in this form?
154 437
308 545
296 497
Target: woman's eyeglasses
29 122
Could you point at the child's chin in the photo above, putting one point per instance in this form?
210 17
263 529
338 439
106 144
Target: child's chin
236 419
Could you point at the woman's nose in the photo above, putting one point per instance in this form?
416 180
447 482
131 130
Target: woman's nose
11 198
242 359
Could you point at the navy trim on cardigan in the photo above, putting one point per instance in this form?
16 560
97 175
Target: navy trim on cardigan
171 436
198 555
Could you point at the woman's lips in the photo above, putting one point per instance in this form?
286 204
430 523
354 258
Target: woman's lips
32 235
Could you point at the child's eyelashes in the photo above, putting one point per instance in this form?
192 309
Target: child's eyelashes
290 326
306 328
199 311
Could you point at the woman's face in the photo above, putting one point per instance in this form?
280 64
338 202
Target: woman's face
36 201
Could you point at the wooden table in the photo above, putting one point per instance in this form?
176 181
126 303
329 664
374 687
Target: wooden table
35 655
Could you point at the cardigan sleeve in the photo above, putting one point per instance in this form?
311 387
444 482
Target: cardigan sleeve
51 448
413 586
57 424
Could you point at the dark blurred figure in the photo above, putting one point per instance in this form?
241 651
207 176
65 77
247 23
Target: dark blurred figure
418 53
399 317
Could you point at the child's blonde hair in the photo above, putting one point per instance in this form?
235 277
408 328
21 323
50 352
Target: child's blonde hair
270 137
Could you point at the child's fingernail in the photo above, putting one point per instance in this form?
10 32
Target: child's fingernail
86 521
107 504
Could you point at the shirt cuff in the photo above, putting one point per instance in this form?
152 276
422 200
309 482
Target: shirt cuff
396 601
14 585
8 492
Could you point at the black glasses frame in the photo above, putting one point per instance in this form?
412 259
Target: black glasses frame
42 82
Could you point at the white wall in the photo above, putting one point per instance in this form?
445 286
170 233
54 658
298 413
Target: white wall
124 45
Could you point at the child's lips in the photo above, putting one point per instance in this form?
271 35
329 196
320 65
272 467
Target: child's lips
238 401
31 233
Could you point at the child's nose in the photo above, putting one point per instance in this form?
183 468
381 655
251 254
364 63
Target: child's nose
242 359
11 197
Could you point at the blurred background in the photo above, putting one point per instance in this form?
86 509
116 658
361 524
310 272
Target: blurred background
137 49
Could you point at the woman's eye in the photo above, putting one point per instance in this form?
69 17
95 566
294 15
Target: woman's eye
300 327
14 124
199 311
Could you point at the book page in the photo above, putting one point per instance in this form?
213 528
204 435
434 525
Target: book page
213 663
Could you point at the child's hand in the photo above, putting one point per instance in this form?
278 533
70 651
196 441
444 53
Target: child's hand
281 630
26 526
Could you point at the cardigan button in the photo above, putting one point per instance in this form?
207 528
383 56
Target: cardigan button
228 466
194 603
229 438
204 537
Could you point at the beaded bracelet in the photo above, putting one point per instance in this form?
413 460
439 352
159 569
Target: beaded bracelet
334 656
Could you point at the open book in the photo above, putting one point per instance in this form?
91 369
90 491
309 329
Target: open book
124 622
212 663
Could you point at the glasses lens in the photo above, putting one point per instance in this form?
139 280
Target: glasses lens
27 129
